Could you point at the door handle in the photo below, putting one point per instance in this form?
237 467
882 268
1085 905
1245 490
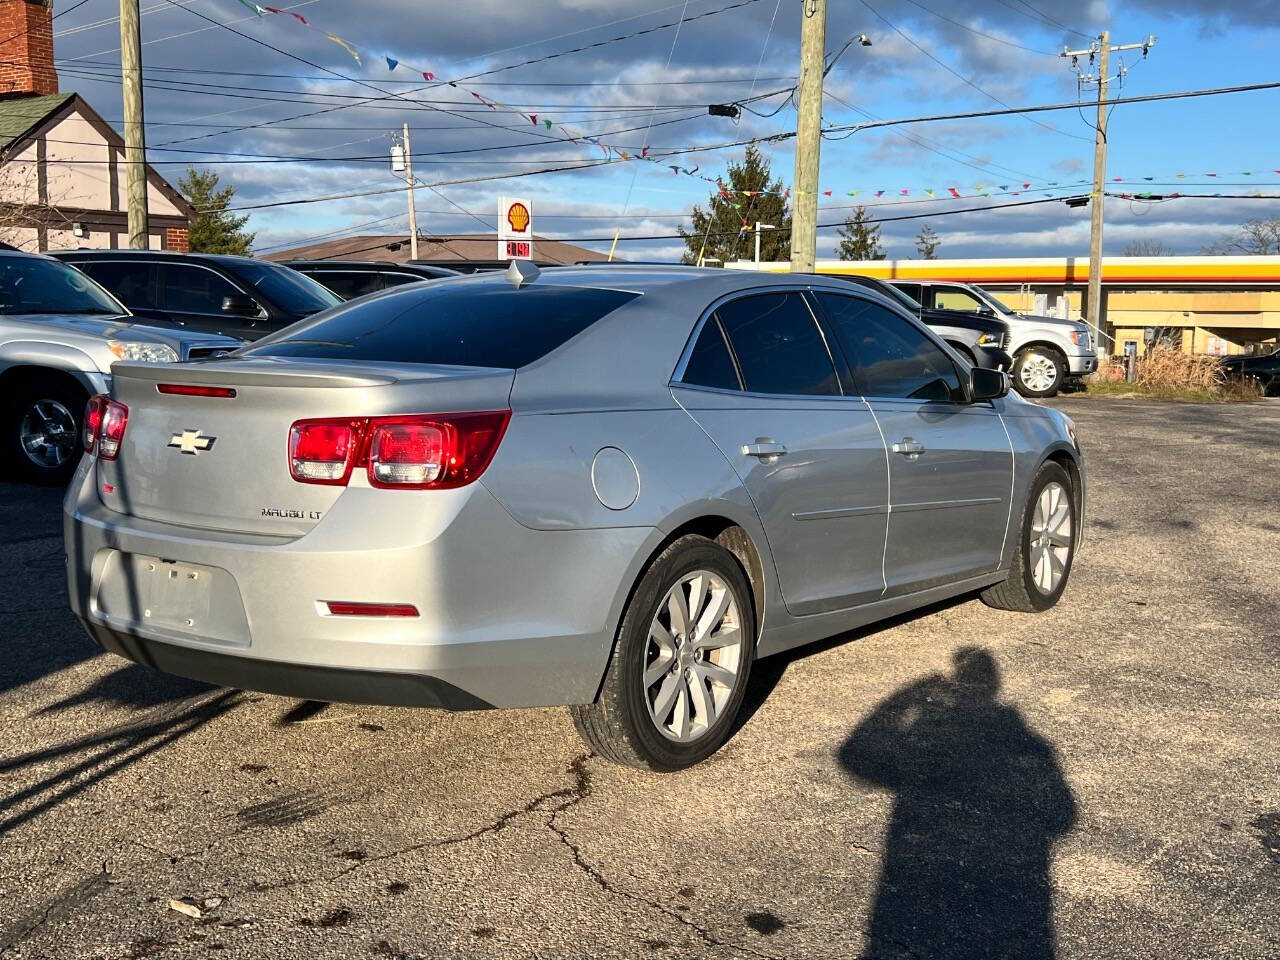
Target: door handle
764 448
909 448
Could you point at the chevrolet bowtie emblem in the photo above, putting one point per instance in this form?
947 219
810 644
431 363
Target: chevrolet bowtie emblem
192 442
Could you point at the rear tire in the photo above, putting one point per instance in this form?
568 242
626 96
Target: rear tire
680 663
1039 372
1039 571
41 423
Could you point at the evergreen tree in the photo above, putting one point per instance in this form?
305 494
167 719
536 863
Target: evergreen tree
859 240
718 231
213 228
927 244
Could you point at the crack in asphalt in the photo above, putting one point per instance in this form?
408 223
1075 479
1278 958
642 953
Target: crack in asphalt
59 907
581 790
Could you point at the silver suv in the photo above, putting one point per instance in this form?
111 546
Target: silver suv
1047 351
59 334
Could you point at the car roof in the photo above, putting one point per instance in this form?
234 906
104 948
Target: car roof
130 254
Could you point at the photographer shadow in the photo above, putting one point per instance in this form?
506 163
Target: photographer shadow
979 801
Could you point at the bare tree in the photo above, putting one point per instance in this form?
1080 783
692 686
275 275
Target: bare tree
21 212
1253 237
1148 248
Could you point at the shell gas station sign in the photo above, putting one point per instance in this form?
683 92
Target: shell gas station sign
515 229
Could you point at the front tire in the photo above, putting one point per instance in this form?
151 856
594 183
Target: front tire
680 663
42 421
1039 372
1045 549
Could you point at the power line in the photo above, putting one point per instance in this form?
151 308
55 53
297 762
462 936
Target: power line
956 73
1041 16
979 33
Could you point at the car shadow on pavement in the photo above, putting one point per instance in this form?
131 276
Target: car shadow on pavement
979 799
70 768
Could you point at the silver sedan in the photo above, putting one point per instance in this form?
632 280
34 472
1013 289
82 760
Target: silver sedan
612 488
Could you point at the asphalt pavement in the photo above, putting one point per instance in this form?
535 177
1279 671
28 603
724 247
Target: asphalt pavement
1099 781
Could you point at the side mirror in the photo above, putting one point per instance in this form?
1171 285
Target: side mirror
987 384
240 305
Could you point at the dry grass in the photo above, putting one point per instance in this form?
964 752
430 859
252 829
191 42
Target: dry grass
1171 375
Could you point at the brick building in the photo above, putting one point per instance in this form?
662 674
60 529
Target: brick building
62 168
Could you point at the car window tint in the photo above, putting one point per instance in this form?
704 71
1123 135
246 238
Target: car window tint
132 283
471 324
949 298
912 290
710 364
778 345
892 357
293 292
193 289
346 283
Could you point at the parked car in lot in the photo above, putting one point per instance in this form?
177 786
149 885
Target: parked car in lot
1262 370
1046 351
206 293
608 488
354 278
59 335
980 339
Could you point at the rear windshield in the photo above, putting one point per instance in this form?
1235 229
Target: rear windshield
456 324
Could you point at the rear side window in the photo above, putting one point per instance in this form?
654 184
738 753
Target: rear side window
133 283
778 346
470 325
710 364
891 356
346 283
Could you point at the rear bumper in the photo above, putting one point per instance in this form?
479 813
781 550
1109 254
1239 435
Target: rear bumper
510 617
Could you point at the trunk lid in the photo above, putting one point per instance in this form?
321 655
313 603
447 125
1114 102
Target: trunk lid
221 463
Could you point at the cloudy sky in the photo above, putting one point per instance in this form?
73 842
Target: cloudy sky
241 92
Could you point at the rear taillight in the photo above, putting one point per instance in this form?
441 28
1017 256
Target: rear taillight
104 423
420 452
93 420
324 451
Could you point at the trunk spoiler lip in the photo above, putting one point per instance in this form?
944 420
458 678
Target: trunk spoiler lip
249 373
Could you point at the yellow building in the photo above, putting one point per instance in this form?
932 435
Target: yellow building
1207 304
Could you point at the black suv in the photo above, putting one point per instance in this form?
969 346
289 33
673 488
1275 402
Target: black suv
236 296
354 278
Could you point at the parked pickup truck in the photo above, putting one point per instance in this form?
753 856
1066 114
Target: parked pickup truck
59 334
1047 351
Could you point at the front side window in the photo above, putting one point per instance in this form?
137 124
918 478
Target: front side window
912 290
951 298
190 289
778 345
293 292
892 358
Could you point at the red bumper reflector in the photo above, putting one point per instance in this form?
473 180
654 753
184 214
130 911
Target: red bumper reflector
344 608
191 390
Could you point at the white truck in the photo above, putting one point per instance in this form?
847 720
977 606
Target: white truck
59 335
1047 351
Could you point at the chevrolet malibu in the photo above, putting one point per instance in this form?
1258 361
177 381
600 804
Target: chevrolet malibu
608 488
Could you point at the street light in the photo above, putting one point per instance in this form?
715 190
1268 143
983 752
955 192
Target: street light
761 226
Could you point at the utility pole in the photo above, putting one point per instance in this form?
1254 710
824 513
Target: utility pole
413 212
804 218
135 134
1102 49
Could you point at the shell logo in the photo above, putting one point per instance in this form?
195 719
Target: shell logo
518 217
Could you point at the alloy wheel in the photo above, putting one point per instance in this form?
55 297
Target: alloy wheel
1038 372
48 434
693 656
1051 537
